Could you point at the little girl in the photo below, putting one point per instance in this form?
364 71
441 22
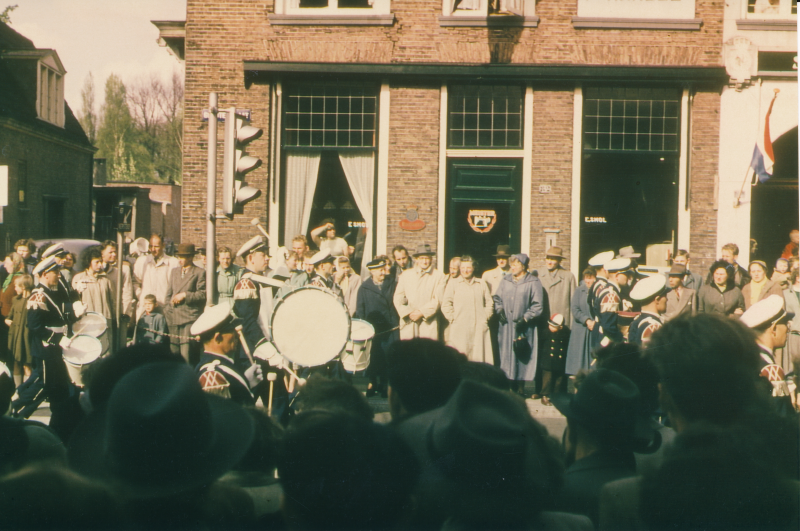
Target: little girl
781 273
18 342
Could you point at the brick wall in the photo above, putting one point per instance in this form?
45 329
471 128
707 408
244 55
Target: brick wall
704 166
53 168
551 165
413 163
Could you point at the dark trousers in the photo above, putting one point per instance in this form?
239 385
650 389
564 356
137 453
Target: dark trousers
494 328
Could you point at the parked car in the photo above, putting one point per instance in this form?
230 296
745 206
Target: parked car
74 246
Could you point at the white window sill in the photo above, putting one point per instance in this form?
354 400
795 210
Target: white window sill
331 20
637 23
766 25
490 21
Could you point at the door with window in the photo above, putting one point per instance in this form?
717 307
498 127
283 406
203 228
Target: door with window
629 181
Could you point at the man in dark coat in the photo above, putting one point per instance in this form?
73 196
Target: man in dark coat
216 371
186 297
374 305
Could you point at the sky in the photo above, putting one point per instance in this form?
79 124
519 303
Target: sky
101 37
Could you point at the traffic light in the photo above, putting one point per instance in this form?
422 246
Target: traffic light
235 192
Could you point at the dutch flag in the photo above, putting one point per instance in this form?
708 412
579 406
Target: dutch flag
763 157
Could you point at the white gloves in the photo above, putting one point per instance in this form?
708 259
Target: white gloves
254 375
65 342
79 308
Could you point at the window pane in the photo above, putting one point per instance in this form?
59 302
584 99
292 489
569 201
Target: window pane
489 115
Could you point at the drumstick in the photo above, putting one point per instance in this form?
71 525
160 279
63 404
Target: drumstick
301 381
271 376
257 223
240 331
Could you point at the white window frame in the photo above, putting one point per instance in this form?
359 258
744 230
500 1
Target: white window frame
50 94
523 8
784 12
292 7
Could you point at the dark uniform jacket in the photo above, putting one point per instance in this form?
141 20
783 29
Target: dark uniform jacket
642 328
249 306
605 303
49 315
219 376
374 305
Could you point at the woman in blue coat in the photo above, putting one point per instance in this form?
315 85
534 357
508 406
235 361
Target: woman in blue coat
579 352
518 303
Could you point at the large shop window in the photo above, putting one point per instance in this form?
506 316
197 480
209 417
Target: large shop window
484 117
631 119
329 141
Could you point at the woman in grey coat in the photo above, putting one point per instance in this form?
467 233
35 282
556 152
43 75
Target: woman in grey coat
579 354
518 303
719 294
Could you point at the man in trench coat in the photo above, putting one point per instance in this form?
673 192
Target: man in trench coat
418 297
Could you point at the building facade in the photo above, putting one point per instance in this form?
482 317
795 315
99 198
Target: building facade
587 124
45 157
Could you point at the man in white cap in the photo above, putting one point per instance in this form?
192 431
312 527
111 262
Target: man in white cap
49 317
323 273
418 297
64 283
217 372
253 294
650 293
769 320
604 302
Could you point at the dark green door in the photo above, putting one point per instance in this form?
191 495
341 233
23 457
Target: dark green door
483 208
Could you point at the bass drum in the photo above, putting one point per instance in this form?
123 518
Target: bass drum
310 326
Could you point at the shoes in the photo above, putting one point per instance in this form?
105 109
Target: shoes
371 391
536 396
546 401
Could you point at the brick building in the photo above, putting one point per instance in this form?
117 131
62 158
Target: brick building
589 124
45 157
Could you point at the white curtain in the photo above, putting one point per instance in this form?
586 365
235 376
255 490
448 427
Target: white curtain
302 168
359 168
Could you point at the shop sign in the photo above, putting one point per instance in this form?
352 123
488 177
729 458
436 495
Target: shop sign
482 220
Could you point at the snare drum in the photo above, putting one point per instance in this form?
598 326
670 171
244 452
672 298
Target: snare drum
356 355
266 351
95 325
82 352
310 326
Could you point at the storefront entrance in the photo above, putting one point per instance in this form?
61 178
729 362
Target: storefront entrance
483 208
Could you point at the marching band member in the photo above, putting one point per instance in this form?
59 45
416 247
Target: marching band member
64 284
650 293
606 302
323 273
49 317
769 320
217 372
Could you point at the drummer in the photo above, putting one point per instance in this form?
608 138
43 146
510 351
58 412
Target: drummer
217 372
49 317
57 250
323 273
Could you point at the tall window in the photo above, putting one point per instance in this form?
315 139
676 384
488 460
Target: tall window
54 217
51 95
485 117
766 9
331 116
22 183
631 119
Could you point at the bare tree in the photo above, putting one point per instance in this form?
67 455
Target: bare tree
143 98
88 117
170 102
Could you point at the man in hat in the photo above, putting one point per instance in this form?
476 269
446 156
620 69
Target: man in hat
217 371
605 300
325 238
558 283
374 305
494 276
680 299
650 294
418 296
64 281
49 317
186 297
604 428
323 273
152 272
691 280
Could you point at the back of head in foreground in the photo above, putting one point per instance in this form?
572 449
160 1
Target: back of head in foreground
708 367
339 471
333 395
423 375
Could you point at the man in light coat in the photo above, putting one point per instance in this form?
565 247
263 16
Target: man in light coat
418 297
151 274
348 281
558 283
467 306
110 264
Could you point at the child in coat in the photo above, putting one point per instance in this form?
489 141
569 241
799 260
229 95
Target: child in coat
18 341
152 326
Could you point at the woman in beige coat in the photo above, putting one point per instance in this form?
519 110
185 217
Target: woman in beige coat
760 287
468 305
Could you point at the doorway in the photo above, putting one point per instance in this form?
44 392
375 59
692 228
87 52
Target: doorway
483 209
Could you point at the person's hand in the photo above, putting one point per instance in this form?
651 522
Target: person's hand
626 305
179 298
8 322
78 308
738 311
65 342
502 318
329 226
254 375
415 316
590 324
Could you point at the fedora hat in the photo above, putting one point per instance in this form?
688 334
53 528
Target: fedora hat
554 252
503 251
423 249
161 434
185 249
607 405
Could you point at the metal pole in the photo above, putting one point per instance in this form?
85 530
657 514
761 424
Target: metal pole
117 341
211 202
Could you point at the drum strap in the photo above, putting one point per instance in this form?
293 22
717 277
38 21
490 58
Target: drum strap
216 365
54 304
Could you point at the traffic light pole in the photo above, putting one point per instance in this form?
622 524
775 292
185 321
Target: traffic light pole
211 202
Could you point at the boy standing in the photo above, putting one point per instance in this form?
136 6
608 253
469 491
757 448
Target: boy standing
152 326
